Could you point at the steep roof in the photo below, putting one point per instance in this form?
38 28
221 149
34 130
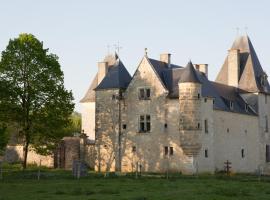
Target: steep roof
189 74
117 77
90 94
251 71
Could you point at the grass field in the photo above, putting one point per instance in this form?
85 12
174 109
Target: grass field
54 185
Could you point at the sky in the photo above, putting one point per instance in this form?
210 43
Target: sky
80 31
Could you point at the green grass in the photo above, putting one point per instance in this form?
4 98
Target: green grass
57 184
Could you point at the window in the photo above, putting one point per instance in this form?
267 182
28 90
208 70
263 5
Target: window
267 153
246 107
206 153
171 151
198 125
165 125
228 130
266 123
205 100
166 151
199 95
231 105
124 126
206 126
144 93
242 153
145 123
134 149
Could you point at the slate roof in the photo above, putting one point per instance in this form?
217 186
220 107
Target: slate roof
221 93
117 77
250 68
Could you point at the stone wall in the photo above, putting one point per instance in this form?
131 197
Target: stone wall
88 119
232 133
15 154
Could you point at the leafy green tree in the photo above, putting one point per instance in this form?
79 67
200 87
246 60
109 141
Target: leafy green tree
32 94
3 139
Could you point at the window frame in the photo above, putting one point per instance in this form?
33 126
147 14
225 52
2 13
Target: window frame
145 123
144 93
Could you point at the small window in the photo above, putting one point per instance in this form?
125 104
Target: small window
166 150
213 101
144 93
206 153
199 96
205 126
134 149
171 151
242 153
231 105
145 123
205 100
246 107
165 125
267 153
124 126
198 125
228 130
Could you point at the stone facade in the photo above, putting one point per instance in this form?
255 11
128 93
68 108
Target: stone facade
186 132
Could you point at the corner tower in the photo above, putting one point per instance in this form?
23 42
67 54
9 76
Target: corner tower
190 114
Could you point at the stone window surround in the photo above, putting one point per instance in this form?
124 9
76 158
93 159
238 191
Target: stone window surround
144 93
144 123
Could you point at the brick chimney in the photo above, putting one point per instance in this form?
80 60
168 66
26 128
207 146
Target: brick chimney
166 57
233 67
102 70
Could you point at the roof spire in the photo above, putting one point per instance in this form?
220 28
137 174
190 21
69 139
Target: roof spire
145 51
117 47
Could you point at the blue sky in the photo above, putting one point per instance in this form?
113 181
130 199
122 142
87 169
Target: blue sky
79 31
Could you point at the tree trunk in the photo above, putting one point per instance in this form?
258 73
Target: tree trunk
25 154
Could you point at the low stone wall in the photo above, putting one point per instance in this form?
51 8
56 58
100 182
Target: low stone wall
15 154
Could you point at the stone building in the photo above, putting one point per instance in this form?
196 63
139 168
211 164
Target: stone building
173 118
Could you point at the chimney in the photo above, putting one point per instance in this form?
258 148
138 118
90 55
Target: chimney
166 57
233 67
102 70
202 68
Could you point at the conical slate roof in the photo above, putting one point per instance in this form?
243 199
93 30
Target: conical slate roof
251 71
189 74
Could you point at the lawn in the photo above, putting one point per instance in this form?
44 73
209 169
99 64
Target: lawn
61 185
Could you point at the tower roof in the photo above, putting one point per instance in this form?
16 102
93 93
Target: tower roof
251 72
189 74
117 77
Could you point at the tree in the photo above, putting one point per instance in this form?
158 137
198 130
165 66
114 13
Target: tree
32 94
3 139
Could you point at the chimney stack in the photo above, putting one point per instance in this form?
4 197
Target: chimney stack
166 57
233 67
102 70
202 68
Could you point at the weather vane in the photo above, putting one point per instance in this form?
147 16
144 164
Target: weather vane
117 48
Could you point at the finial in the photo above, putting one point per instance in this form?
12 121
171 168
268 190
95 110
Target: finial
108 49
145 51
117 48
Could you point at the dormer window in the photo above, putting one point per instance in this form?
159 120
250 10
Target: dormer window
231 105
144 93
